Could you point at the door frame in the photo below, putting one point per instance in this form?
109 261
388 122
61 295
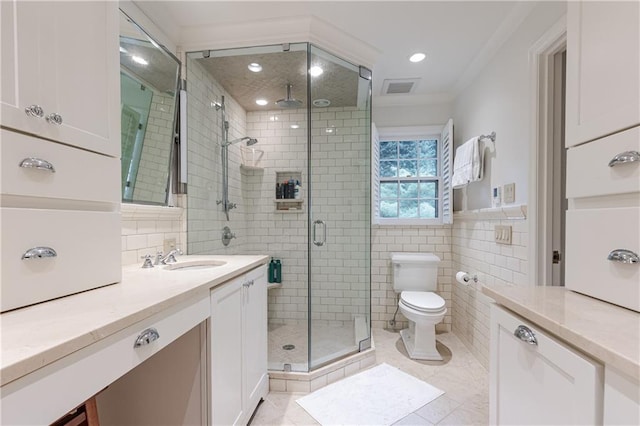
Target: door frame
541 60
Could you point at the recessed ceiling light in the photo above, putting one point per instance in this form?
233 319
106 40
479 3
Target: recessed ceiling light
417 57
321 103
315 71
255 67
123 50
262 102
139 60
295 126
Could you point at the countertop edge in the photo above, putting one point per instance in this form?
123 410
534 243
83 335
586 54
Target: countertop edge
27 365
586 344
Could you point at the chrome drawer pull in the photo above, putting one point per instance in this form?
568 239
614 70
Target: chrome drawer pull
146 337
34 111
623 256
39 252
37 163
54 118
525 334
625 157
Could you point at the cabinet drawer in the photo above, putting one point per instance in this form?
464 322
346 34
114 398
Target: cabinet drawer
546 382
88 247
66 383
79 175
588 171
591 235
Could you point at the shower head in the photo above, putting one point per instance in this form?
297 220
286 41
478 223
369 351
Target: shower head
250 141
289 102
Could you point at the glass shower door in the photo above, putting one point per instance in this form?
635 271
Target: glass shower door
339 208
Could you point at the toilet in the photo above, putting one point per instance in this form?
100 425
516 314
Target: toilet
415 277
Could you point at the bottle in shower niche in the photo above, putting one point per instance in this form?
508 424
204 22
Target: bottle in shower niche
278 191
278 272
291 188
296 191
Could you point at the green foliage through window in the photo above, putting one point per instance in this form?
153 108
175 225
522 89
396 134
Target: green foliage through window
409 179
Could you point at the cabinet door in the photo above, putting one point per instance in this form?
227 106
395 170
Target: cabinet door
63 57
255 337
225 342
603 69
542 383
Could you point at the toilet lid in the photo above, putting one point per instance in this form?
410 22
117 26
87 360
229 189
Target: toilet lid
425 301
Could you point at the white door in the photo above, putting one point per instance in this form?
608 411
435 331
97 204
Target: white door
225 342
62 57
542 381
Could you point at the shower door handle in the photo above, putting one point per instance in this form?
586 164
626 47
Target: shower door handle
324 233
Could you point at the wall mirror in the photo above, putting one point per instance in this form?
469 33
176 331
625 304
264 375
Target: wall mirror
149 77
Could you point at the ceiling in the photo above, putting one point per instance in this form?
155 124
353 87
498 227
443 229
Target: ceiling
337 83
458 37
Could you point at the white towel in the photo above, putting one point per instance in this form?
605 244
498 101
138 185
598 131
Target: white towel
467 163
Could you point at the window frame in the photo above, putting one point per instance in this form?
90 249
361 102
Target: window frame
416 133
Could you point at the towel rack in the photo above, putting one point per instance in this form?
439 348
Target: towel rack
491 143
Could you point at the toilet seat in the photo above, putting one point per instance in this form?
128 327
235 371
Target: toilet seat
423 301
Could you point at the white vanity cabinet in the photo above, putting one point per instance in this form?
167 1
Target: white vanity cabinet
60 149
238 347
59 72
48 393
537 379
603 69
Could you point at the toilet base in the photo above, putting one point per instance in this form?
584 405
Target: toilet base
420 342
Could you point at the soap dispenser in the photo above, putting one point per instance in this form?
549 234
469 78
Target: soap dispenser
278 272
272 270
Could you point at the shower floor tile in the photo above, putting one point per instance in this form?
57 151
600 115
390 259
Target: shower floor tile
329 342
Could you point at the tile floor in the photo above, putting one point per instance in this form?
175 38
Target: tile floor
464 380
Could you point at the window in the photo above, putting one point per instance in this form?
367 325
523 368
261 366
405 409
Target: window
411 176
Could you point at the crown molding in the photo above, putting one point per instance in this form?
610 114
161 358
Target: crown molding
305 28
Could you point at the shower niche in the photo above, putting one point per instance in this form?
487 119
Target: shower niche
288 192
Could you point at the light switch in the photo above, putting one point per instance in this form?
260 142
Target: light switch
509 193
503 234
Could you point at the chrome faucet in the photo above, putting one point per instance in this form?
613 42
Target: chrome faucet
170 257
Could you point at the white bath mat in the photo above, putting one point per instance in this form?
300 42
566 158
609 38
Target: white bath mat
381 395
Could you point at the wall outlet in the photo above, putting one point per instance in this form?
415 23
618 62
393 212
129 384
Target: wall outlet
503 234
168 245
509 193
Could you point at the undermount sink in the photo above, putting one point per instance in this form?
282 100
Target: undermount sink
191 265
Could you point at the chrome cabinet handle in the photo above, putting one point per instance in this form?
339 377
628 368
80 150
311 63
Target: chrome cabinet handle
525 334
39 253
324 236
34 111
54 118
248 284
623 256
146 337
37 163
625 157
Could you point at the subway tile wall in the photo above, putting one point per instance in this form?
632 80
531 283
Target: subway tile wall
424 239
340 176
206 218
475 252
153 169
145 228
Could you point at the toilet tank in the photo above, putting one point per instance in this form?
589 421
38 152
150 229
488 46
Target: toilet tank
415 271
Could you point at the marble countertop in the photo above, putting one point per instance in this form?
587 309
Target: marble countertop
606 332
38 335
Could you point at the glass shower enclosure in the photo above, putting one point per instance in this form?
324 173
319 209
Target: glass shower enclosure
311 114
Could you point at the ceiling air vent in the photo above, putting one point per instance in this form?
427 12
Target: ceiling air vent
399 86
